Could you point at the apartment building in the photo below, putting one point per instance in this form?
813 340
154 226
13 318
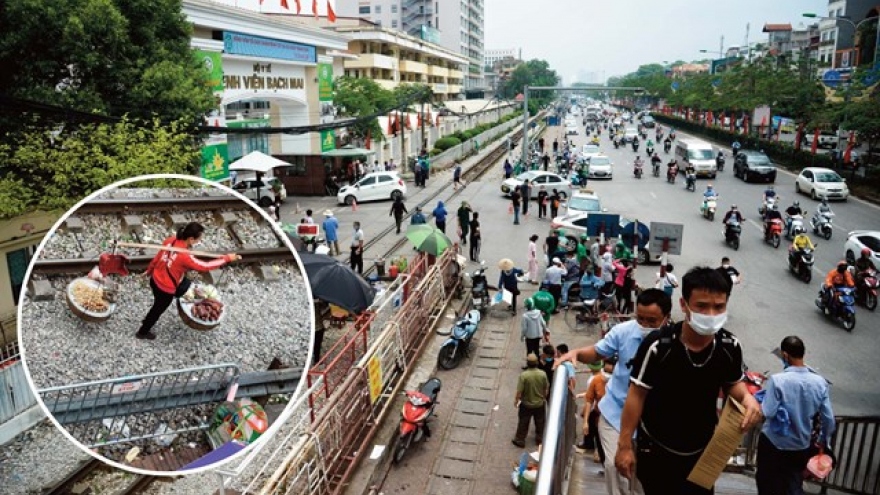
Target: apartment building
837 40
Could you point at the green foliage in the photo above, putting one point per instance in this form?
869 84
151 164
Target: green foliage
358 97
531 73
864 117
46 172
112 57
447 142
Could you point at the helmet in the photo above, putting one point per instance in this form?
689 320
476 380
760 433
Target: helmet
798 230
796 204
709 186
732 207
530 303
824 201
866 252
584 237
775 207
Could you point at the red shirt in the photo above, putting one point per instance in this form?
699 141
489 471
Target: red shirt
168 268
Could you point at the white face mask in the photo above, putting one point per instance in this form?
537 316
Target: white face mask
725 266
646 330
705 324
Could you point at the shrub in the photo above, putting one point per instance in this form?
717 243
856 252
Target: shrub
447 142
435 151
468 134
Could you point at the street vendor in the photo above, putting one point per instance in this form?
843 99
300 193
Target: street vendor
167 273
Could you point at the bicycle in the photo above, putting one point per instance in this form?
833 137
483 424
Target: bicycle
592 312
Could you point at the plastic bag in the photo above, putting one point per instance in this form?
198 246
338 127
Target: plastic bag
96 274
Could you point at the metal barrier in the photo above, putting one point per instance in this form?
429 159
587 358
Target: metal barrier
121 410
559 434
856 445
15 394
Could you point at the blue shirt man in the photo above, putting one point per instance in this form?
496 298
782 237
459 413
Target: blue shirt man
590 285
330 225
710 192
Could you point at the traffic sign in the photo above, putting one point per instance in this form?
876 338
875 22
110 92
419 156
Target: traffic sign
831 78
672 232
603 222
628 231
675 85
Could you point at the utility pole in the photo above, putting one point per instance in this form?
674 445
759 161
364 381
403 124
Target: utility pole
403 157
525 138
422 120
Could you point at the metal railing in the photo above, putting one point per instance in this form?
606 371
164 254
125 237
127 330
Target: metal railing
559 434
15 394
127 409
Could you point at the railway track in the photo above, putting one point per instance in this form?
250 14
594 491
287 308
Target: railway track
124 206
83 480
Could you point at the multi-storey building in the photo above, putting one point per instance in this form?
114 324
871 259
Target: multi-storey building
492 56
837 43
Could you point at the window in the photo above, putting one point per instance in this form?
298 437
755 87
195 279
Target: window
394 23
385 178
870 242
378 9
17 262
394 8
364 9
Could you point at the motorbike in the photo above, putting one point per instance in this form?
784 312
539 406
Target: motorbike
821 223
457 345
841 308
671 172
732 232
637 170
650 151
656 168
796 224
800 263
866 289
616 143
708 207
479 288
635 146
767 205
672 136
691 182
719 163
774 232
667 146
417 410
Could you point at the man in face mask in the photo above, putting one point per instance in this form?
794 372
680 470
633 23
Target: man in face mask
676 375
652 312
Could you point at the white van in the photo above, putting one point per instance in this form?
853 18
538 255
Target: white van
698 153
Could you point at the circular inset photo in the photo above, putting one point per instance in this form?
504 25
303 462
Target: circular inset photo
166 323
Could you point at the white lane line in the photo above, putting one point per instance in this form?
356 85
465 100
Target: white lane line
653 195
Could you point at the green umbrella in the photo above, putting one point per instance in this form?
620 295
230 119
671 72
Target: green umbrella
428 239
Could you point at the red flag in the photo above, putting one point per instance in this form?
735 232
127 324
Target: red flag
709 119
799 137
331 15
815 145
732 123
367 142
315 8
438 120
847 155
298 8
283 4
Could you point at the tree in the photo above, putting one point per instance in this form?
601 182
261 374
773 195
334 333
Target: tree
360 97
531 73
44 171
863 116
112 57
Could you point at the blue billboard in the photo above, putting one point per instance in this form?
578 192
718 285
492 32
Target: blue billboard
258 46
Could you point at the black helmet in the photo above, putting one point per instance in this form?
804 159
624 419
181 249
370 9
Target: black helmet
797 204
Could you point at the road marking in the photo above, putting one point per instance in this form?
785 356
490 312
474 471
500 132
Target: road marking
653 195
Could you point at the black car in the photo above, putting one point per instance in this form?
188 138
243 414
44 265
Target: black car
648 122
754 165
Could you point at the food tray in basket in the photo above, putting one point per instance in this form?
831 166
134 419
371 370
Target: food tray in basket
74 293
185 310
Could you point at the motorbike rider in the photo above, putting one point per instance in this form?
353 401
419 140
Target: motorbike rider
656 160
771 214
801 241
709 193
791 211
635 143
591 282
837 277
732 214
864 265
649 145
667 143
690 174
720 158
638 163
769 193
735 146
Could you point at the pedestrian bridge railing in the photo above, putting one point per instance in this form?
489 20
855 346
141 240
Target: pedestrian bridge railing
554 467
15 394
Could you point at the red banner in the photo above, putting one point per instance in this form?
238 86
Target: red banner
847 155
815 146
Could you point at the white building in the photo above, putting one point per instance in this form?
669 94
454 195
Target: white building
458 25
492 56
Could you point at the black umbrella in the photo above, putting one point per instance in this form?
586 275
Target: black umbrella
335 283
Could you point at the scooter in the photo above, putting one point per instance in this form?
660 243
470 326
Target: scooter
667 145
637 170
796 225
774 233
635 146
866 289
766 206
457 345
672 135
691 182
708 207
650 151
656 168
479 288
719 163
732 232
417 410
842 308
671 172
616 143
800 263
821 223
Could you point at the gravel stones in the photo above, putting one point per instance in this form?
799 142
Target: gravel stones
36 458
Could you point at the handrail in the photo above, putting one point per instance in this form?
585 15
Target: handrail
558 437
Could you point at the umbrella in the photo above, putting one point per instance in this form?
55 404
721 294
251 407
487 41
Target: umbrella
428 239
335 283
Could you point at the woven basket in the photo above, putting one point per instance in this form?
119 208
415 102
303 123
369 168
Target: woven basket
79 311
184 310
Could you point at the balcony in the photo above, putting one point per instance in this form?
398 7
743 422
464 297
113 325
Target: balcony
453 89
455 74
437 71
388 84
413 66
440 89
371 61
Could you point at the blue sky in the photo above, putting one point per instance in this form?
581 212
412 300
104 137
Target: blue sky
582 38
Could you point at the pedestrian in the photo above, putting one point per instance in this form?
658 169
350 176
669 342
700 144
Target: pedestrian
331 226
551 245
553 279
653 308
542 202
391 164
554 204
546 360
730 272
417 172
440 216
361 170
541 145
418 218
532 328
376 167
526 192
167 273
277 207
676 376
533 259
508 280
792 399
546 161
319 307
357 249
582 254
464 220
595 392
555 145
514 204
572 275
607 268
309 220
426 170
398 209
561 350
595 251
508 169
629 285
532 389
667 281
456 177
476 236
619 278
545 302
387 166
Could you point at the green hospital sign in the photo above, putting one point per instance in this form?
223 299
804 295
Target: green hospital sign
325 82
213 63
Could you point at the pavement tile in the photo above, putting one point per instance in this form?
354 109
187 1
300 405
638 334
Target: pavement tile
481 372
481 383
448 486
491 352
462 451
465 435
474 406
475 421
453 468
477 394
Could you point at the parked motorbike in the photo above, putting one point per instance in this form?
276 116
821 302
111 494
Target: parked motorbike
732 231
866 288
690 182
417 410
841 308
671 172
637 170
719 163
708 207
796 225
774 233
800 263
457 345
479 288
821 223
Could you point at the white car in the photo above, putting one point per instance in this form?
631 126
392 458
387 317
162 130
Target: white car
629 134
861 239
374 186
571 130
260 191
600 167
585 201
821 182
537 179
590 150
577 224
